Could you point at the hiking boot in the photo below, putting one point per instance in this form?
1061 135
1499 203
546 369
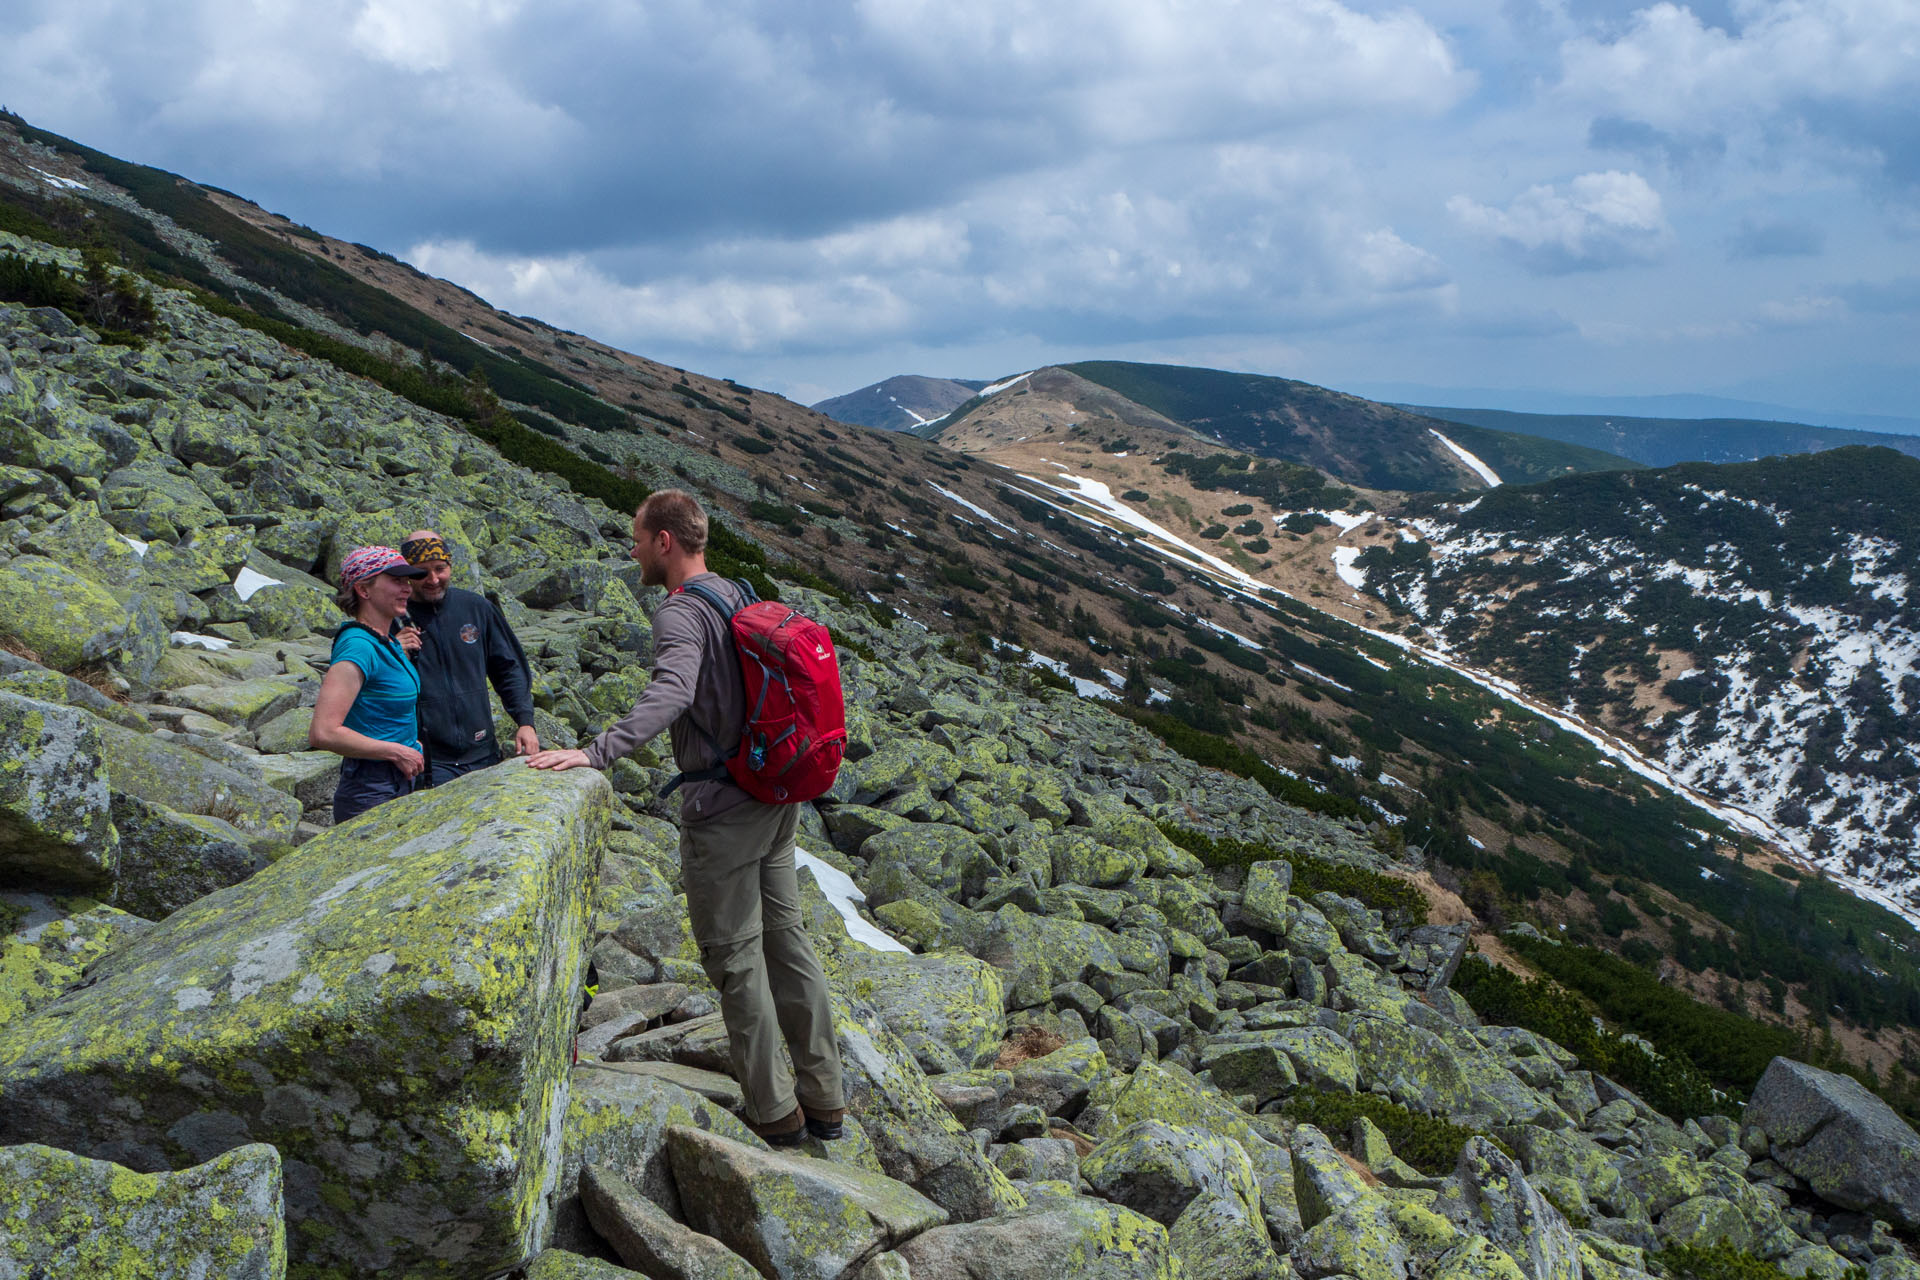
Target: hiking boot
788 1131
826 1126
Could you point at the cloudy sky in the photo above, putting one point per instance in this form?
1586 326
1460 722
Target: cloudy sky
1587 197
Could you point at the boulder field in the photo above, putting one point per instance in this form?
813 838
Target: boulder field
467 1035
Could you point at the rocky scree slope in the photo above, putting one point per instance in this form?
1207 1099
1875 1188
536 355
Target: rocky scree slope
1081 1053
1748 625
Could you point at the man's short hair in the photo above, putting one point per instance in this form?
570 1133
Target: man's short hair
680 514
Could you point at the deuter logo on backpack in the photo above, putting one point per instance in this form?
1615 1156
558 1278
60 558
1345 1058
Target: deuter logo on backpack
796 728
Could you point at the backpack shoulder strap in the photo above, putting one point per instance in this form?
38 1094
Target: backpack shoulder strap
714 598
702 591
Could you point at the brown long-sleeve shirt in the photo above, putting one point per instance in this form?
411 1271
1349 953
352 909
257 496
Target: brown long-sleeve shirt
696 685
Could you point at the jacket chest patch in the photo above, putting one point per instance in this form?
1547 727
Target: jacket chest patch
469 634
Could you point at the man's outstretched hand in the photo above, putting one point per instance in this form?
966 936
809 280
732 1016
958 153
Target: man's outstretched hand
559 758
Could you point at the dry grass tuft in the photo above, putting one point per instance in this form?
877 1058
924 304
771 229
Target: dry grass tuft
1026 1044
17 647
100 680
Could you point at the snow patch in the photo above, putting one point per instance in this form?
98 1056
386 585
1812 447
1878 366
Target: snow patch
1343 564
978 510
54 179
193 640
1474 464
846 897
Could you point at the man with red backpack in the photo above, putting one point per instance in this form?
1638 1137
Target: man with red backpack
736 851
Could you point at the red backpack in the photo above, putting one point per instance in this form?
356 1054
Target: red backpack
796 729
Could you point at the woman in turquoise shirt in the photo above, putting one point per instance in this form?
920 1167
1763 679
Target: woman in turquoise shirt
366 708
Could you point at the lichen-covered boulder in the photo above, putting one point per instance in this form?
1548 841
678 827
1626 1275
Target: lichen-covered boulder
1420 1069
1318 1055
1158 1170
1264 901
948 858
618 1120
248 703
1494 1199
1217 1237
916 1138
65 1215
1310 936
47 942
311 777
69 620
147 766
902 763
1170 1094
1052 1239
949 1009
562 1264
1849 1145
169 859
1080 858
645 1237
275 601
788 1215
391 1006
1038 952
285 733
56 828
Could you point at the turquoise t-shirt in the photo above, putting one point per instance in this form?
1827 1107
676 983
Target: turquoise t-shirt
386 707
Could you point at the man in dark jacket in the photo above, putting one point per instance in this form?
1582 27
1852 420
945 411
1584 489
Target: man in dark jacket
459 642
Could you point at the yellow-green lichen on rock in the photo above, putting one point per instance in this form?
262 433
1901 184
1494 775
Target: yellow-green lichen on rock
46 943
1057 1237
63 1215
56 830
618 1120
788 1215
69 620
391 1006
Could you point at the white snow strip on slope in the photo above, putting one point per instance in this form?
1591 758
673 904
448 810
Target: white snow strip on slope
1211 625
982 512
246 582
139 547
1343 558
845 896
1081 685
998 387
65 184
1474 464
188 639
1096 494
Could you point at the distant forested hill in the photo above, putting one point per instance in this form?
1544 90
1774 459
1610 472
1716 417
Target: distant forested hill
1662 442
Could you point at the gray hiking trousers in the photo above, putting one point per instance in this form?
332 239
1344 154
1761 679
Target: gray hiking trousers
743 899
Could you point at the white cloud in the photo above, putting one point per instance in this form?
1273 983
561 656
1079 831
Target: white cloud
1670 68
811 185
1235 239
1597 220
721 312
